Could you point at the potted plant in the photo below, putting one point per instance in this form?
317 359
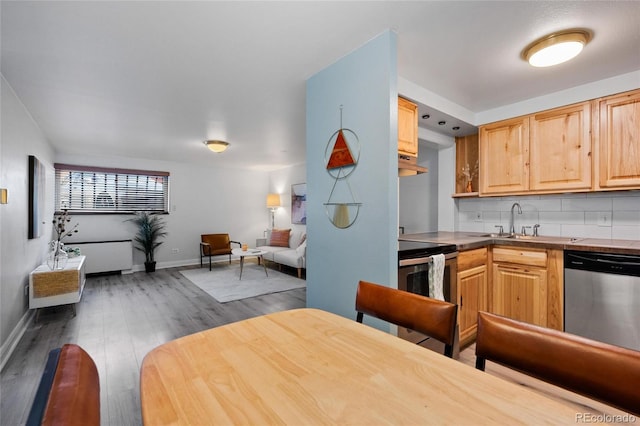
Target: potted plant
151 228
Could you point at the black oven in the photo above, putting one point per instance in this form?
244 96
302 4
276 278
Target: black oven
414 258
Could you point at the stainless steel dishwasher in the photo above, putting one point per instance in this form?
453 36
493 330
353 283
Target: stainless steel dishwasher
602 297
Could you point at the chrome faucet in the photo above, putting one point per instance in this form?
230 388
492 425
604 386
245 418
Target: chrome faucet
512 228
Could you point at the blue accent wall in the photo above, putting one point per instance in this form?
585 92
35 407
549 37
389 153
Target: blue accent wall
365 84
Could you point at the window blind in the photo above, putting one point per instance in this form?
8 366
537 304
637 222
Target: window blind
107 190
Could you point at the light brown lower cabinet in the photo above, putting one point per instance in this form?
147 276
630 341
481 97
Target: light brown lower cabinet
472 291
526 285
520 292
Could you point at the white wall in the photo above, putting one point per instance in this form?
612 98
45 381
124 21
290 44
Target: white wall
280 182
418 195
447 209
203 200
20 137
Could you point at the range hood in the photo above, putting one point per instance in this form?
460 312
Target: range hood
408 166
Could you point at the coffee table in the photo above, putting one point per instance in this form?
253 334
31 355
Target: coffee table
250 252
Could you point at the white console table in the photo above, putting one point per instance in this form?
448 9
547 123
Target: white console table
57 287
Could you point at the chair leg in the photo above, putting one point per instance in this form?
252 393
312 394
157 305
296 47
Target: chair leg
480 363
448 350
229 259
299 272
209 262
359 317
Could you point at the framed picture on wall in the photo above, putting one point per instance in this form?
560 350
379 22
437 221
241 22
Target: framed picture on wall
299 203
36 197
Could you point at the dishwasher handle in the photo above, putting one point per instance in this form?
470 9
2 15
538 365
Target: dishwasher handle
613 263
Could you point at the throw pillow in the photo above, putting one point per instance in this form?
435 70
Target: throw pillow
280 237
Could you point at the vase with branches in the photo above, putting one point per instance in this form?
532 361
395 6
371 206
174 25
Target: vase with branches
151 228
57 258
468 174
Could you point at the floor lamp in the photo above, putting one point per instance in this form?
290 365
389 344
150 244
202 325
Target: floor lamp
273 202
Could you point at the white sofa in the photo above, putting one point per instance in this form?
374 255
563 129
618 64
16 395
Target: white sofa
293 256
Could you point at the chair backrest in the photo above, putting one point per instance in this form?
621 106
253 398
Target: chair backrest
604 372
217 242
434 318
69 390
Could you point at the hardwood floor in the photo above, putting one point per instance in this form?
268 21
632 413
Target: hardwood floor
122 317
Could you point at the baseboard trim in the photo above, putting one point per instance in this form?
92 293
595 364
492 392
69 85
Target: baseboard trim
18 331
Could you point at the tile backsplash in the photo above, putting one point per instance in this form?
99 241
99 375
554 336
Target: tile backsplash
594 215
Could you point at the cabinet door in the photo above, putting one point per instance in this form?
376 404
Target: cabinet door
619 140
504 157
520 292
407 128
560 149
472 288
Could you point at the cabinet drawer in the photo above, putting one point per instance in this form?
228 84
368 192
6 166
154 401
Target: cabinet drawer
521 256
472 258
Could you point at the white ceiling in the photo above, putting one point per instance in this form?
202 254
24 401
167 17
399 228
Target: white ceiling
155 79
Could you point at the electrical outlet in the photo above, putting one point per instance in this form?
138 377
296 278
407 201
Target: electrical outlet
175 250
604 218
477 217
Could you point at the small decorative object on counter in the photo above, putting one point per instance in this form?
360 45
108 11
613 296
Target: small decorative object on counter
57 257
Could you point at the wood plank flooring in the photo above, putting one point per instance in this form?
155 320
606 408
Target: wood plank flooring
122 317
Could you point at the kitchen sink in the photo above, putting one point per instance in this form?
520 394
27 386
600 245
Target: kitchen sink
531 238
514 236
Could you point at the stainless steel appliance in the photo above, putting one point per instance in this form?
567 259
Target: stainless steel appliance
602 297
414 258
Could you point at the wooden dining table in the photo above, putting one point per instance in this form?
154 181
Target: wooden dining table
308 366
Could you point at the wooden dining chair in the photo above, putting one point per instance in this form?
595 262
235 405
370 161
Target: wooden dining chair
215 245
607 373
434 318
69 390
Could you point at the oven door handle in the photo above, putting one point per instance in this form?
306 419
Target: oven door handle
425 260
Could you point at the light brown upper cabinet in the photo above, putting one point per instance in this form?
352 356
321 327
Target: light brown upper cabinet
619 140
407 128
540 153
560 149
504 156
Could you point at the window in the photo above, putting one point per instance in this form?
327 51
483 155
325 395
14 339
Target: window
103 190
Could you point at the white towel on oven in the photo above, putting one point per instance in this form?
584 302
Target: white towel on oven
436 275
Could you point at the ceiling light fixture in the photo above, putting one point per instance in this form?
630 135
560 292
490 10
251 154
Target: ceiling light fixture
216 146
556 48
424 117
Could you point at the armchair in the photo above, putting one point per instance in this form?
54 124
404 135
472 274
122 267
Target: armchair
215 245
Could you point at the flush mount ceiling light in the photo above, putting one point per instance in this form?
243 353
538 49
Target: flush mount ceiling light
556 48
216 146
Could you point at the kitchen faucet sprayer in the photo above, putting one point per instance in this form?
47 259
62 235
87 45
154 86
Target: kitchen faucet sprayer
512 228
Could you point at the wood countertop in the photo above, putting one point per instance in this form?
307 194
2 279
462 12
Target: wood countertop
472 240
308 366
